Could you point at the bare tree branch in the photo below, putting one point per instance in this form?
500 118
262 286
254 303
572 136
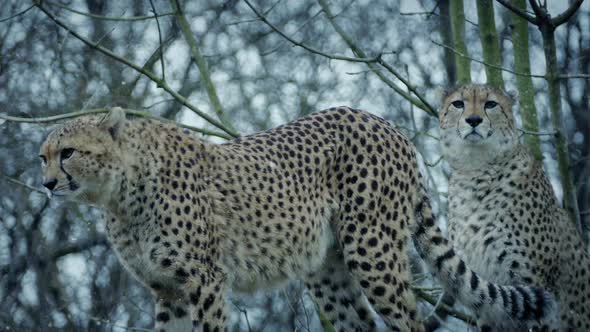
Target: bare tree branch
420 103
429 14
566 15
484 63
574 76
73 248
201 63
106 110
542 15
515 10
304 46
105 18
162 84
157 54
22 12
64 250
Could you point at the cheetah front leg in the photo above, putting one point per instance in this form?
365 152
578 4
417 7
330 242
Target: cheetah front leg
172 316
207 305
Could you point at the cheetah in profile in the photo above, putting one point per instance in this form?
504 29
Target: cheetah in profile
334 198
504 219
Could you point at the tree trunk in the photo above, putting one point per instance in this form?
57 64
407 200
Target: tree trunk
445 31
570 202
489 42
528 111
458 26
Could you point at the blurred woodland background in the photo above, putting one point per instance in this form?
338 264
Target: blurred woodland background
234 67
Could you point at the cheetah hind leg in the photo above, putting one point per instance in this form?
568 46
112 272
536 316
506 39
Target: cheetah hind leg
172 316
375 255
207 303
339 296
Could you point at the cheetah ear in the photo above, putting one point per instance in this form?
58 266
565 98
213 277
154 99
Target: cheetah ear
114 122
513 95
442 92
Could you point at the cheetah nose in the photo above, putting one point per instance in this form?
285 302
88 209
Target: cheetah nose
474 120
50 184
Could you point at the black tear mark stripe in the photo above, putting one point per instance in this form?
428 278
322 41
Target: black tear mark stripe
73 185
510 123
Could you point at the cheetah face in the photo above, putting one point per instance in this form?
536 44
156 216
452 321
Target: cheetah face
80 158
476 125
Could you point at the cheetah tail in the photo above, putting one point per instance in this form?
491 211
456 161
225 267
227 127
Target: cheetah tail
490 302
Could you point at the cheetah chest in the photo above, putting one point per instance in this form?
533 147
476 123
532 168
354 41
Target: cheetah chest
136 253
476 227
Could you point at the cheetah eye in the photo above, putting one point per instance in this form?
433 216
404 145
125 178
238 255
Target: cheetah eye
490 104
43 160
66 153
458 104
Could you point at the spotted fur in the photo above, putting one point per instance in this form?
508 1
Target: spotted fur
504 218
333 198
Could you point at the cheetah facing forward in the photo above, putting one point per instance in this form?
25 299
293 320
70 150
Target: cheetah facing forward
332 198
503 216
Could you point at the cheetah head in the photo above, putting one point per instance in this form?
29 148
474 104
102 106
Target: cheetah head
476 126
81 158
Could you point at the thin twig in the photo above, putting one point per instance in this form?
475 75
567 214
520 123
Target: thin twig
273 6
242 21
420 102
435 306
432 300
292 308
201 63
160 39
147 65
417 132
304 46
20 183
141 114
485 63
435 14
99 41
245 312
158 103
144 71
129 328
428 13
105 18
434 163
294 32
22 12
574 76
537 133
